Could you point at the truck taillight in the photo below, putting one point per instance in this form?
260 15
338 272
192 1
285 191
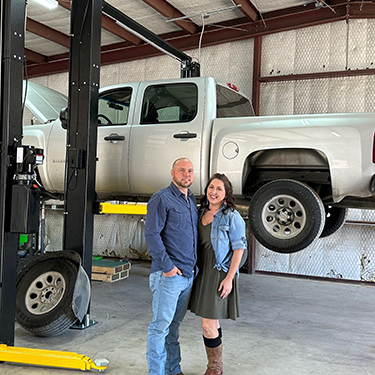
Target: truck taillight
233 87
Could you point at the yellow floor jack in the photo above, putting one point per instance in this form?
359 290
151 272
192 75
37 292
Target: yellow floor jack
50 358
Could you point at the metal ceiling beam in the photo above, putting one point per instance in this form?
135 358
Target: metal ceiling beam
321 75
46 68
229 31
167 10
248 9
243 30
47 32
34 56
110 25
333 4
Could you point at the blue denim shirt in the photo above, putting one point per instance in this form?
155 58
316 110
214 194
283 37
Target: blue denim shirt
228 233
171 230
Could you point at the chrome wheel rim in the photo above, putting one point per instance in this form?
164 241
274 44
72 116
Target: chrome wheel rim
45 293
284 216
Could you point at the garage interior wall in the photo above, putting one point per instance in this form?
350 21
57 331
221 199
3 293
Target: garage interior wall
336 46
349 253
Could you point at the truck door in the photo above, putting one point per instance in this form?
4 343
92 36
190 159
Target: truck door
167 126
112 177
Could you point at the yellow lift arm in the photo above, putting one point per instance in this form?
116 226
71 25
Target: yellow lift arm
128 208
50 358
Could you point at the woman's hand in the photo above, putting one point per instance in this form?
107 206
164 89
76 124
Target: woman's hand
225 287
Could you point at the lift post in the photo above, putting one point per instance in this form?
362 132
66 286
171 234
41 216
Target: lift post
12 26
83 112
80 172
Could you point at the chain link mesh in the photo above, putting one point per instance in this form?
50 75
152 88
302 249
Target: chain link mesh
114 235
324 48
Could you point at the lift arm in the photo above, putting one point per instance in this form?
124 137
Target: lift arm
128 208
50 358
188 67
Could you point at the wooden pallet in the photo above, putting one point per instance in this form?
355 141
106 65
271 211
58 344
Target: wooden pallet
109 270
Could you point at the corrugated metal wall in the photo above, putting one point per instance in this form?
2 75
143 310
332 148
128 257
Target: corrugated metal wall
348 253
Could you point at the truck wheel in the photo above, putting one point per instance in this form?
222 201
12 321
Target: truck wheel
44 296
286 216
335 219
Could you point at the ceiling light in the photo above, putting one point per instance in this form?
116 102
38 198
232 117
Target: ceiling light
51 4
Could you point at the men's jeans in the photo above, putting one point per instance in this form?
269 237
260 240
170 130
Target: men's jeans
169 305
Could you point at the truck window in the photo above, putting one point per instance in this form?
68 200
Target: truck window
113 107
175 102
232 104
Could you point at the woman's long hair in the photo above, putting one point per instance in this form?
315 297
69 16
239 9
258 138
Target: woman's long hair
229 199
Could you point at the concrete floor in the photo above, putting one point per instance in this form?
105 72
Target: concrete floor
287 327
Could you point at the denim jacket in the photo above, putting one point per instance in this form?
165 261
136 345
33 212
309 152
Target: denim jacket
228 233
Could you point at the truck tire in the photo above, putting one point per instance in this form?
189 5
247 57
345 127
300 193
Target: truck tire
44 296
335 219
286 216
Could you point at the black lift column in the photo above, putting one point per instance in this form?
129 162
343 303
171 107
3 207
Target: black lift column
12 26
84 75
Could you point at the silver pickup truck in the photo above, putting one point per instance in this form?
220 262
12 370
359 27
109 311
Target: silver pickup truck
297 174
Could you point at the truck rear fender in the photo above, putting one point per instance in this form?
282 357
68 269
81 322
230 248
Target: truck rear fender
342 141
306 165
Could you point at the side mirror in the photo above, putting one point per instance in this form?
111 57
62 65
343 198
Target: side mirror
64 117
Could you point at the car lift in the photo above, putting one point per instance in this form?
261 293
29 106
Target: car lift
85 21
80 199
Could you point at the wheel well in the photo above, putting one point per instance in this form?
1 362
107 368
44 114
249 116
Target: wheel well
306 165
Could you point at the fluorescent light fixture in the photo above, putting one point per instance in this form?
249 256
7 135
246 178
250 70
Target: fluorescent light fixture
51 4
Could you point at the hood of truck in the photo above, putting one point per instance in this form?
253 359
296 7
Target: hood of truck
43 102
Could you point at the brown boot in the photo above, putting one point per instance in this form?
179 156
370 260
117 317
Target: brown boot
215 360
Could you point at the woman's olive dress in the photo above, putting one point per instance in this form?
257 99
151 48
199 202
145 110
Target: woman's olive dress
205 299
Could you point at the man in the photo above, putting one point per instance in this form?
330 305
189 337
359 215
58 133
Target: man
171 236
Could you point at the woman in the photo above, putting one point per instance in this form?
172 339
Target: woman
221 243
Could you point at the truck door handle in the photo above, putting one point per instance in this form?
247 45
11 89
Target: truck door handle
114 137
185 135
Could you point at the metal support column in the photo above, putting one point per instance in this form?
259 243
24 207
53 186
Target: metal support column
84 73
257 73
12 16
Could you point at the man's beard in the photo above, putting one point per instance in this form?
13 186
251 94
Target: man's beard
180 184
